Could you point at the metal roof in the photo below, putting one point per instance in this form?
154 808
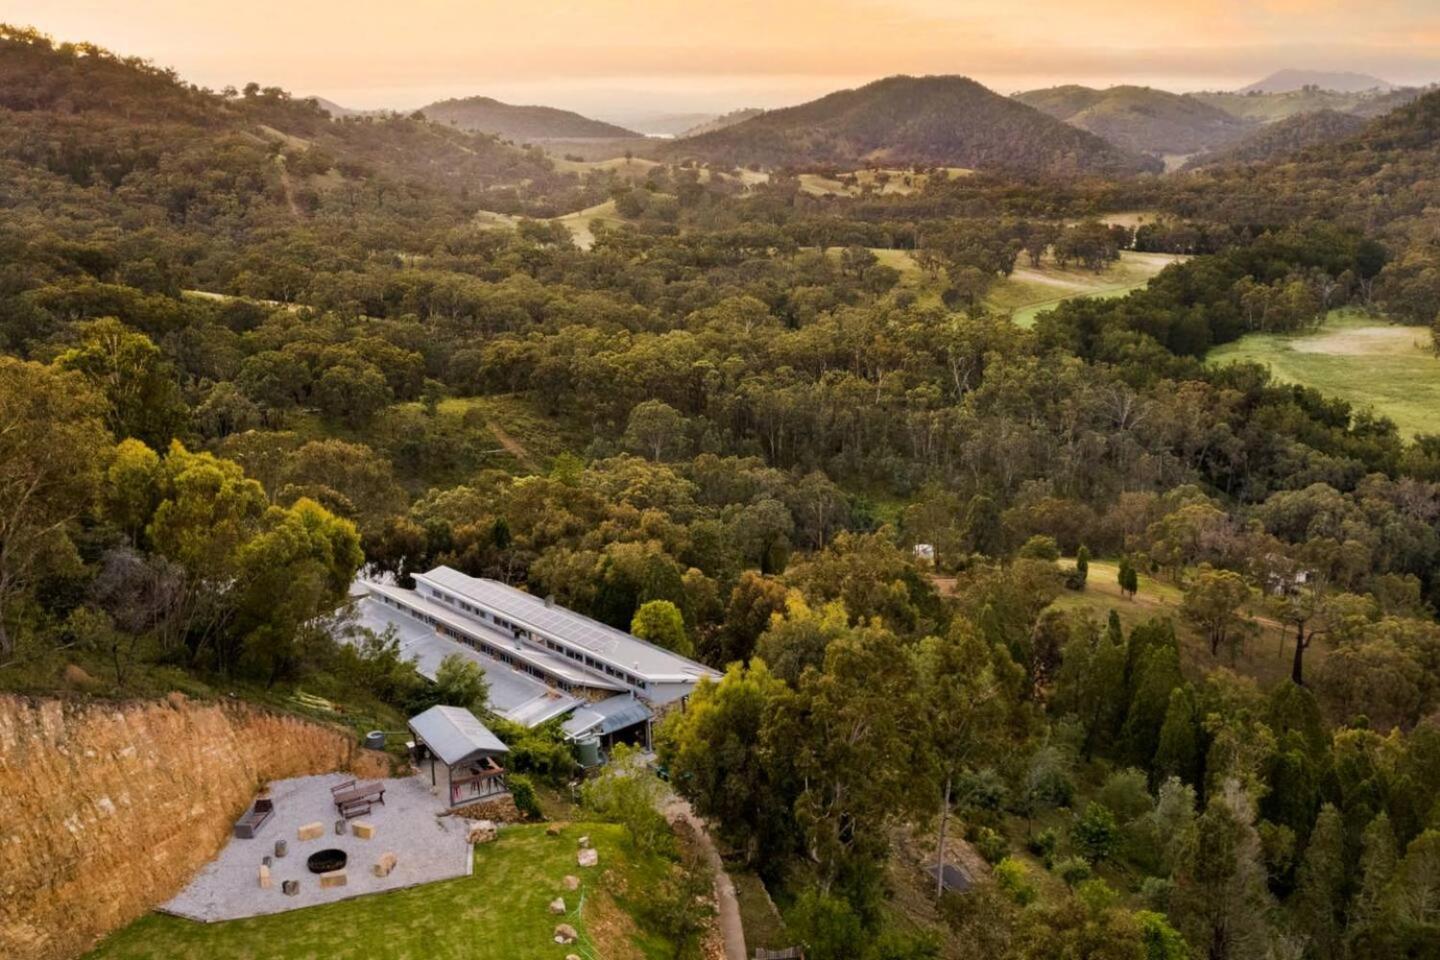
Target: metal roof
454 734
602 641
607 716
515 695
538 657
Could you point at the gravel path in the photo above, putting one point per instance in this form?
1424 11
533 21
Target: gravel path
732 930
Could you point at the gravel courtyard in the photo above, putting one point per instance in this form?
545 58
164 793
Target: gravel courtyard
427 848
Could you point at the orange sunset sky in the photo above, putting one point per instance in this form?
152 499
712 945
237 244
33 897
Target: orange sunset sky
621 57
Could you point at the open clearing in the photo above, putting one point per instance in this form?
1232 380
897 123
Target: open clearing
581 223
1028 292
499 913
1363 360
885 181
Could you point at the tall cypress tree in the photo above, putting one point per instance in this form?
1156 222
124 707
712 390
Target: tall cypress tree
1317 909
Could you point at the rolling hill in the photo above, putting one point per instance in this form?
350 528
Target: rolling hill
1284 137
75 117
1270 107
520 123
1288 81
937 120
1140 119
724 120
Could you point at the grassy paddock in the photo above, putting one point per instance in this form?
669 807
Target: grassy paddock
1028 292
499 913
1371 364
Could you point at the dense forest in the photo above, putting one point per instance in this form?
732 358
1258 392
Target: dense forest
250 351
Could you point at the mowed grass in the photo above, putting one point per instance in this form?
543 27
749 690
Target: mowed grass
1365 361
499 913
1030 291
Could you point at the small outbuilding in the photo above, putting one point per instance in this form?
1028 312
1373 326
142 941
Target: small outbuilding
463 754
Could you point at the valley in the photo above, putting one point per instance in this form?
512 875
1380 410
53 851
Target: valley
908 522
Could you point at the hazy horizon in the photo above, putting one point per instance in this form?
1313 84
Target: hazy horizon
627 59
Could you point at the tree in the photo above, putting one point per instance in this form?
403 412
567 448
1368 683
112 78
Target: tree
754 601
1220 902
1319 901
1212 604
1090 684
799 640
654 428
710 750
460 682
1378 860
843 734
1178 752
1082 564
1095 833
52 447
660 622
627 792
135 378
965 710
1127 579
353 392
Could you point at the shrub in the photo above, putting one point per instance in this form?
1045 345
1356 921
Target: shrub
1012 877
1073 870
1095 833
523 793
1044 845
991 845
1040 547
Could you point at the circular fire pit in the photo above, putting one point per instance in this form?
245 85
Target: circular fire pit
326 860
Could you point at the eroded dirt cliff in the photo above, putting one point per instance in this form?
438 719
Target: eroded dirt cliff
107 809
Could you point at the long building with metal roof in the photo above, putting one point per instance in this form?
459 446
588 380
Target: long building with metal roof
542 660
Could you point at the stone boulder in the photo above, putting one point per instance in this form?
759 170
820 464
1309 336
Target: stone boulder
585 841
384 865
588 857
571 882
557 906
553 829
564 933
482 831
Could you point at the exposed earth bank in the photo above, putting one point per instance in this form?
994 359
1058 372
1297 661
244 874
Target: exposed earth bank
107 809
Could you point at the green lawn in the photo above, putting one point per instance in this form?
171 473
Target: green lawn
1370 363
499 913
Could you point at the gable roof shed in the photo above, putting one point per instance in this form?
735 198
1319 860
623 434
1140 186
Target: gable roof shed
455 735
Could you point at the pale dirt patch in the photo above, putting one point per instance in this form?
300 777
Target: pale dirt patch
1364 341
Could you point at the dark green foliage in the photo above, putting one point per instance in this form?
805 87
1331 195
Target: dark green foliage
1095 833
523 792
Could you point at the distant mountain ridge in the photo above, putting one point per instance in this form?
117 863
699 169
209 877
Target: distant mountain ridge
488 115
1140 119
935 120
1287 81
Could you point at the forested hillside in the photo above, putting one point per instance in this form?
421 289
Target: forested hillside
1163 675
1285 137
946 121
1140 119
519 123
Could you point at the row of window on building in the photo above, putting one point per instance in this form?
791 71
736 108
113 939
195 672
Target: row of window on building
520 632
